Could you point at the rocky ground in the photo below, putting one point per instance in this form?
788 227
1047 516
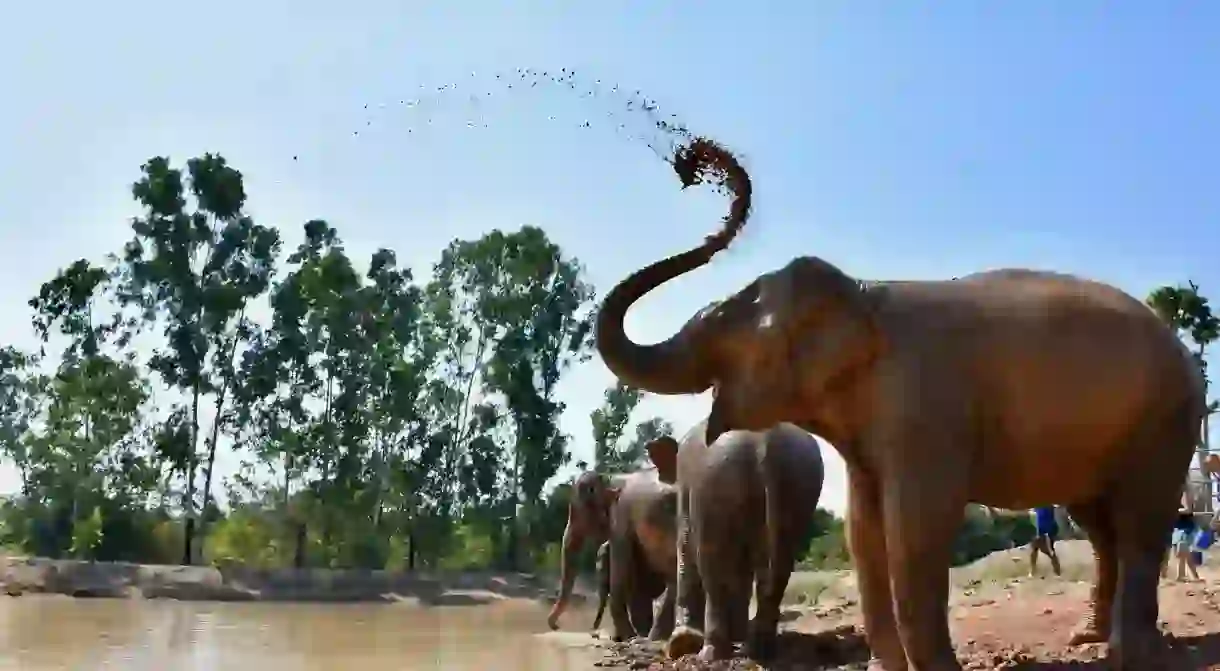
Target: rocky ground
1000 619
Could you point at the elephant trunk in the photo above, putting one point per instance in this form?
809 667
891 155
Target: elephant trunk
573 539
672 366
603 583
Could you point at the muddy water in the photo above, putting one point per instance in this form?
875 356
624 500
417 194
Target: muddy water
45 633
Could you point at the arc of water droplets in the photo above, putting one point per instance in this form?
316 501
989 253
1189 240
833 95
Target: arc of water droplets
668 127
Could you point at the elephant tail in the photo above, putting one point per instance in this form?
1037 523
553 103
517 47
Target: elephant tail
773 516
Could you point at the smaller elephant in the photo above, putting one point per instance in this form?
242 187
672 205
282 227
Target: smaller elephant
745 504
633 516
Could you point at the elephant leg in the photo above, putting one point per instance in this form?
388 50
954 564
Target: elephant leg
866 540
691 600
641 609
765 628
923 512
621 592
1095 519
723 570
1141 507
1135 639
663 623
739 621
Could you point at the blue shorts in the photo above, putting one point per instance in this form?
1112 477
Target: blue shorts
1049 531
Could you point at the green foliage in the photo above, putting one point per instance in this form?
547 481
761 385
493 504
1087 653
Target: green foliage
610 425
982 532
380 422
825 543
1190 314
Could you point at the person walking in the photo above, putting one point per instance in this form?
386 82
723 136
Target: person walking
1046 528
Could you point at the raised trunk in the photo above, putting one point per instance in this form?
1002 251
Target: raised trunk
673 366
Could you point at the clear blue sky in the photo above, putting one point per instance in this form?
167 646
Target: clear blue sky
900 140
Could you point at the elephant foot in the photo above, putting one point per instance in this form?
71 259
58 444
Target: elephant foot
1143 653
1090 631
761 646
620 637
711 653
684 641
659 634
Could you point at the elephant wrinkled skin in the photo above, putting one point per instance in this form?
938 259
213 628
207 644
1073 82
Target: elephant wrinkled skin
744 505
633 516
1010 388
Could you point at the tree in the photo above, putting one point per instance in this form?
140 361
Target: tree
536 306
195 272
21 400
380 422
1189 313
609 424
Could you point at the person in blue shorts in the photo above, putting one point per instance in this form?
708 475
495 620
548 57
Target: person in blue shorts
1046 528
1184 532
1203 540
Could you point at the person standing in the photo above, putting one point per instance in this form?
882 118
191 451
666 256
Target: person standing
1184 531
1046 528
1204 539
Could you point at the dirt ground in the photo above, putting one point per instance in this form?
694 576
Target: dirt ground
1000 619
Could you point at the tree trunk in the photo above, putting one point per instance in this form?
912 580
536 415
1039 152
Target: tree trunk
188 536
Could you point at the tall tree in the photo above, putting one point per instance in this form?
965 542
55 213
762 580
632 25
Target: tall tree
540 307
390 307
195 271
1190 314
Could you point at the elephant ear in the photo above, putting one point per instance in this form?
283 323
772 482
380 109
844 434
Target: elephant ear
811 327
663 452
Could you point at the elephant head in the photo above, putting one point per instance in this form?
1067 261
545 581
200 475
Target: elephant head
663 453
772 352
588 519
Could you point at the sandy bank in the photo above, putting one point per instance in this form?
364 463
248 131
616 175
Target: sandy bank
25 575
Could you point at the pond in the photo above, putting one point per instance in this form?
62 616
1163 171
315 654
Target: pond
40 633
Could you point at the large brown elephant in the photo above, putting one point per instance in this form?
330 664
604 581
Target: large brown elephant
744 505
636 515
1012 388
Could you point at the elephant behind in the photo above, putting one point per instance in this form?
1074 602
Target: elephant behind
633 517
745 503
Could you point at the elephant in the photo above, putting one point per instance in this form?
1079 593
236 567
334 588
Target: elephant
744 505
635 515
1012 388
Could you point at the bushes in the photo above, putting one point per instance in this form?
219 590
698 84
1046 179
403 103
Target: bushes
980 535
